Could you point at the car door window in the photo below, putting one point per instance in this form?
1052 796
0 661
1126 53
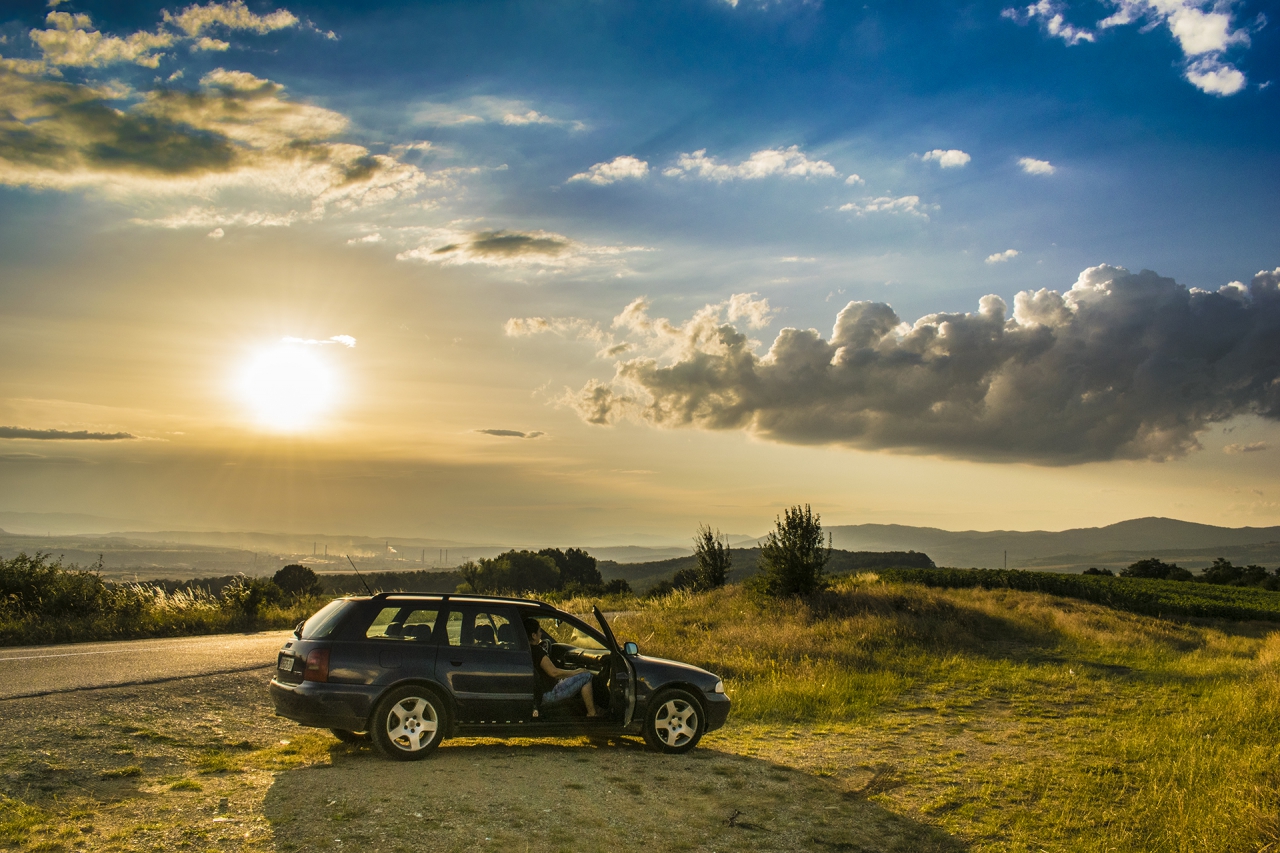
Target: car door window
483 629
403 623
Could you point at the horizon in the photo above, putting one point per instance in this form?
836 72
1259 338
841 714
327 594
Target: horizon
490 273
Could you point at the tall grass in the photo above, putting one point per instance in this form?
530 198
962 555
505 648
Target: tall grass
42 601
1119 731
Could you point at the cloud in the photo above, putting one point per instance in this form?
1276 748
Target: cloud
195 19
854 179
1032 166
206 43
617 169
366 239
68 40
908 204
1001 257
484 109
344 340
1254 447
216 234
952 158
235 132
788 162
1120 366
508 248
1204 31
567 327
1050 14
62 435
510 433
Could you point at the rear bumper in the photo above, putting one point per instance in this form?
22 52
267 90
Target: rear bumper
324 705
717 710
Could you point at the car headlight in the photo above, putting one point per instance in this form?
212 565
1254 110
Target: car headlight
719 687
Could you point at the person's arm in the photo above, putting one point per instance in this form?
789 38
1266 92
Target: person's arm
556 672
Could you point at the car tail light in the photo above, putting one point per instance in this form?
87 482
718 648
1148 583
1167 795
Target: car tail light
317 666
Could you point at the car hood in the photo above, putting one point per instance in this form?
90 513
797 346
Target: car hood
673 669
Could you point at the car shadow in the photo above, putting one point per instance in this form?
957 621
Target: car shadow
605 793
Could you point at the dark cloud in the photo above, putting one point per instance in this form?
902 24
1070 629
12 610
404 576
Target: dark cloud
510 433
1122 366
62 435
509 244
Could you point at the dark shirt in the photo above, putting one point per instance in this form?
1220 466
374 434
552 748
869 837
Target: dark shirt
544 681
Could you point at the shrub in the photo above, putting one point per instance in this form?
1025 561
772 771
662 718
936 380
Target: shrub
1093 570
1153 568
714 558
793 559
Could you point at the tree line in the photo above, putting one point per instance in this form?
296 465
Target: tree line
1222 572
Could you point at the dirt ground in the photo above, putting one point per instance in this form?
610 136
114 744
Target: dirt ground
202 764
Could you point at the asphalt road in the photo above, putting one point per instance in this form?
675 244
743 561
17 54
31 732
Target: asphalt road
41 670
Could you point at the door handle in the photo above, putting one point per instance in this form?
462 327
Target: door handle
456 662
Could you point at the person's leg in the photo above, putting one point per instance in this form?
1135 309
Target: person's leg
589 698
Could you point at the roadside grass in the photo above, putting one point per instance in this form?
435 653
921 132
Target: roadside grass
874 716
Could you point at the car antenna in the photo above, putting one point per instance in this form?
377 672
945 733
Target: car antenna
362 580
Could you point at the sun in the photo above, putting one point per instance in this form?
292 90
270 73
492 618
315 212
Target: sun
288 388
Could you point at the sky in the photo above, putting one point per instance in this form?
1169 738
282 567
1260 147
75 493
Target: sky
596 272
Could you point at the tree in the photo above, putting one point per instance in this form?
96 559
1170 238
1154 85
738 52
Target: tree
793 557
1154 568
1094 570
514 571
297 581
714 558
575 566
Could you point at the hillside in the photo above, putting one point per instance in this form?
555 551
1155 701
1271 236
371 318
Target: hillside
642 576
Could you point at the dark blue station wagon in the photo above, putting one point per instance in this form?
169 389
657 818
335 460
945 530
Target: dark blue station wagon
407 670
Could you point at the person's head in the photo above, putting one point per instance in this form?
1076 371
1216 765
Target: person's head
532 627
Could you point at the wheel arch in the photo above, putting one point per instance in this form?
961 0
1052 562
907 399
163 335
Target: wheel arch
436 690
691 689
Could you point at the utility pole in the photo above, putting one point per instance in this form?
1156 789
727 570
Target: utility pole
1006 559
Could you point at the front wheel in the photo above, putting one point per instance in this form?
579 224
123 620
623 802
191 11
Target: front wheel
408 723
673 722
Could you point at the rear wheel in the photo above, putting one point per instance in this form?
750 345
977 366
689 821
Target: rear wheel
408 723
673 721
348 736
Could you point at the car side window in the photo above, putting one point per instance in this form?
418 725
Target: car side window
484 629
403 623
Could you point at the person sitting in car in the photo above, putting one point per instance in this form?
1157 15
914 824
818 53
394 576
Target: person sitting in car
556 685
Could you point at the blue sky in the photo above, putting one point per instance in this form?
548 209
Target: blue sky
431 179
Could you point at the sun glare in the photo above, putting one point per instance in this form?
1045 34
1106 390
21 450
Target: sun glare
288 388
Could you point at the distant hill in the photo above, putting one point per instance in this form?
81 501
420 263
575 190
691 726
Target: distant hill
1069 550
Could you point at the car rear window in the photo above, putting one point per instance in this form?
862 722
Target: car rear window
325 620
403 623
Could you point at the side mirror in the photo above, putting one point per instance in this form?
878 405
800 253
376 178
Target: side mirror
629 648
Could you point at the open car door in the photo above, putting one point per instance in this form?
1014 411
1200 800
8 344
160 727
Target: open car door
622 680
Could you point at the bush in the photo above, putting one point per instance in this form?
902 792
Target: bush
714 559
1093 570
1153 568
793 559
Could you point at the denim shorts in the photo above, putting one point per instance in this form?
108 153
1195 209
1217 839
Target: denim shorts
566 689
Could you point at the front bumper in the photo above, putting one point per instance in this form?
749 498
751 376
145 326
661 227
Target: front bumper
324 704
717 709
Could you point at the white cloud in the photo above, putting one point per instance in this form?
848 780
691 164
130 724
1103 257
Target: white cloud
1001 257
789 162
203 217
1050 14
617 169
217 234
69 40
1204 31
854 179
344 340
484 108
908 204
757 313
1032 166
952 158
206 43
194 19
1253 447
366 239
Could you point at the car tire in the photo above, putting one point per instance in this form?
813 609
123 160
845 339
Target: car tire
348 736
673 721
409 723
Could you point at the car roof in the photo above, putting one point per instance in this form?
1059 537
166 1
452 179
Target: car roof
454 598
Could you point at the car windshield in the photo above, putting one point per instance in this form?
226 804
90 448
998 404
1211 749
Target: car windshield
566 632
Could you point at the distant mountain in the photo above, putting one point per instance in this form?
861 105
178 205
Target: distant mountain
1197 544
